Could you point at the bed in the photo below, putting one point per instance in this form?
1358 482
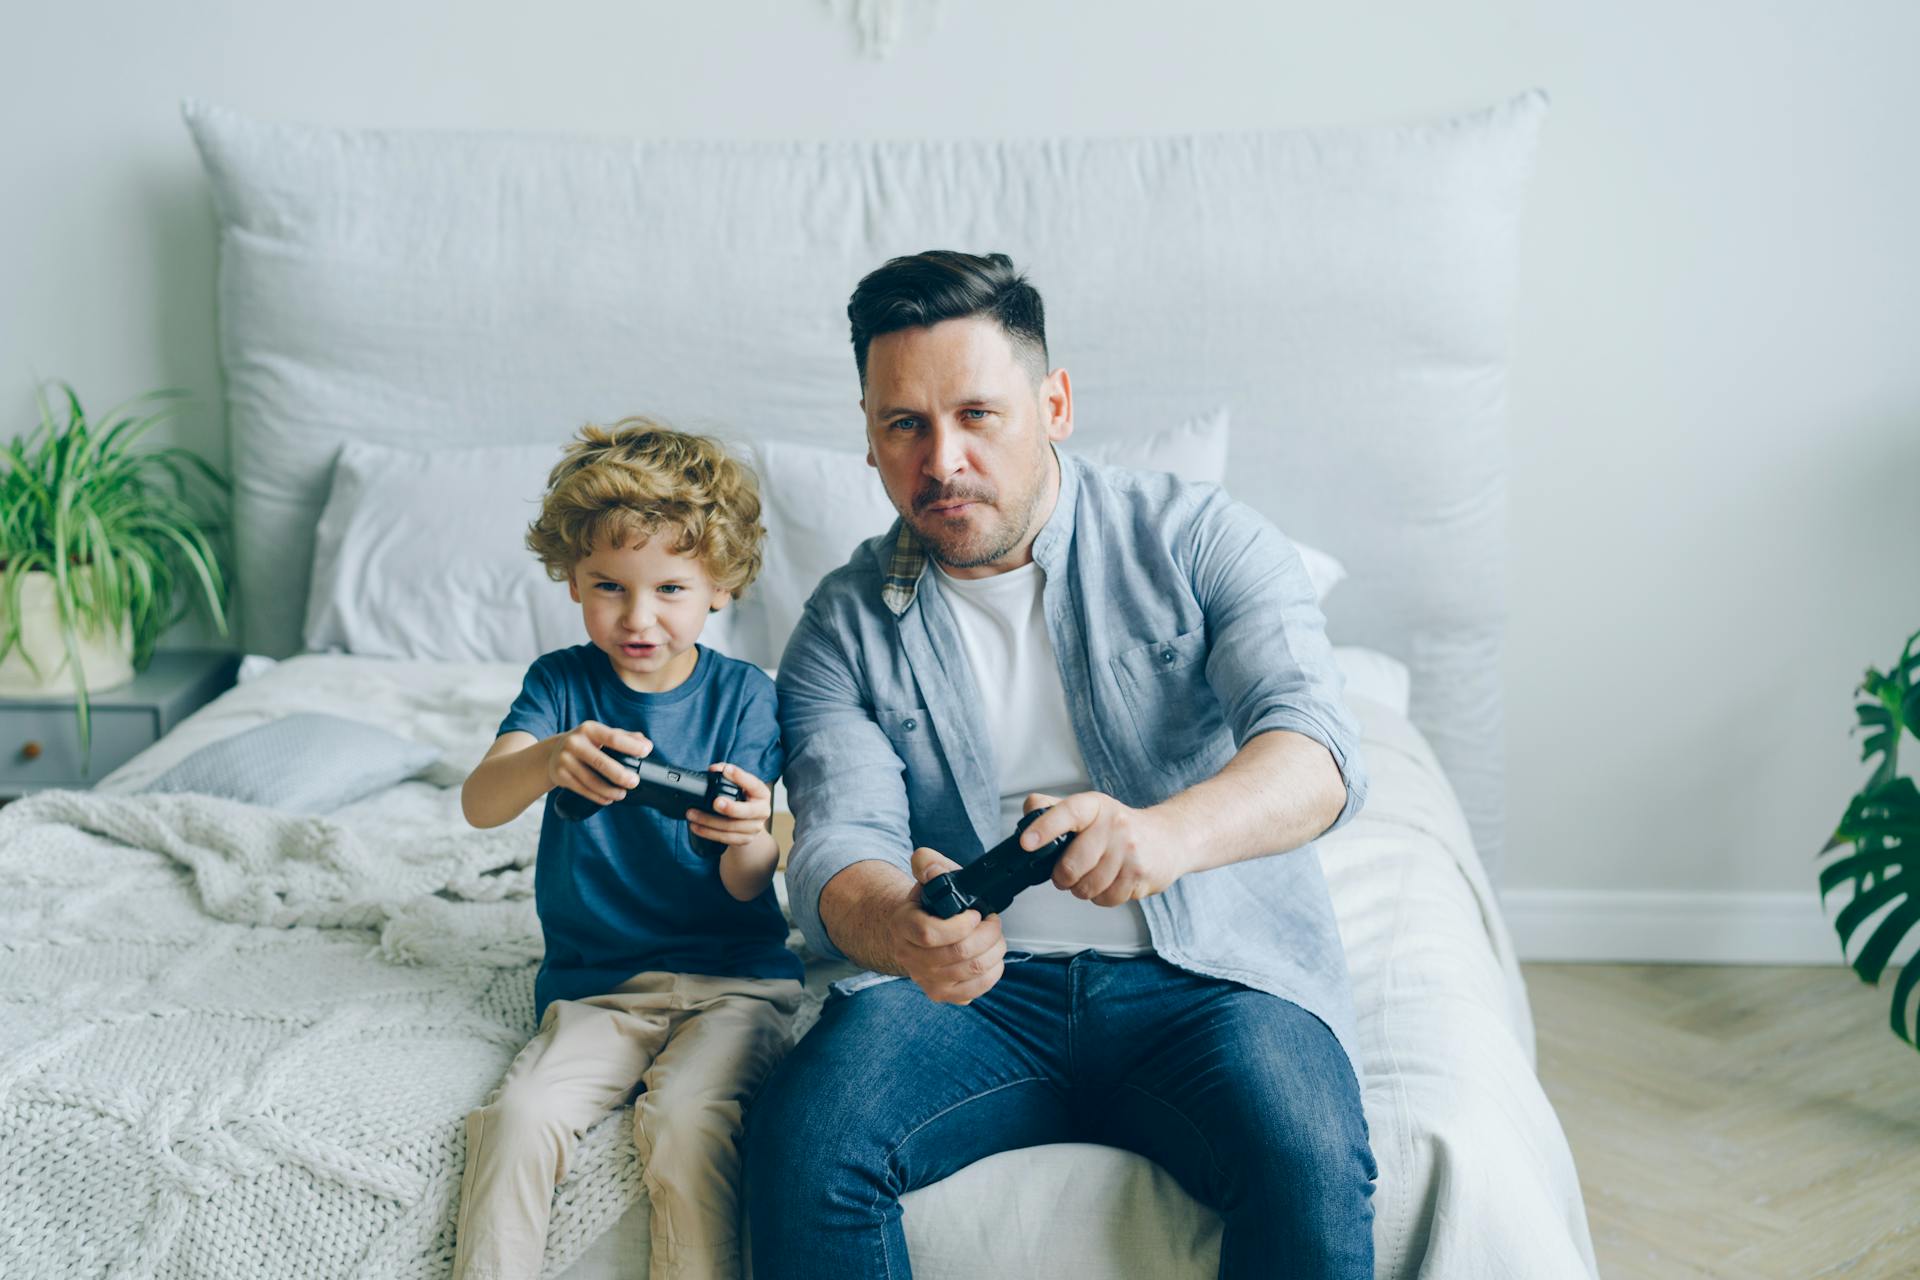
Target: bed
239 1041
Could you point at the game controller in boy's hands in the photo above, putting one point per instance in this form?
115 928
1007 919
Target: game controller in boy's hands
991 881
668 788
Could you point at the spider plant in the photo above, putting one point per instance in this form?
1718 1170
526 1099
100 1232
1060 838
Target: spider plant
125 534
1882 825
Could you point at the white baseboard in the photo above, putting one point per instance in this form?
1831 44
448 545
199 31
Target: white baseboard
1670 928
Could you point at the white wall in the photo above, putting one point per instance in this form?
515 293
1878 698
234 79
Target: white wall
1716 407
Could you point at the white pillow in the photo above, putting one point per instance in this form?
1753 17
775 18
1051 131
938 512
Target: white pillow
1376 676
818 505
1325 571
1197 450
423 555
307 762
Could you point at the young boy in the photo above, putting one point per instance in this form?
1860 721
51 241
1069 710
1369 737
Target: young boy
666 960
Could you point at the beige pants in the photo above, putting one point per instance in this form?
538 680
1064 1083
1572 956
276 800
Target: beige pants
700 1045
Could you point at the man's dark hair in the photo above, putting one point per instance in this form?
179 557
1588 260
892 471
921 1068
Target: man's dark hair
945 284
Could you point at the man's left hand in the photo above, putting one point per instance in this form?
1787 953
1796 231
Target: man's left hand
1120 853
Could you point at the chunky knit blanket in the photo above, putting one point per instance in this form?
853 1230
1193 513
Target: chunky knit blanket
235 1042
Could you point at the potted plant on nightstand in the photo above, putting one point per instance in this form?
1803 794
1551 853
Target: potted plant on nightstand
1882 825
102 548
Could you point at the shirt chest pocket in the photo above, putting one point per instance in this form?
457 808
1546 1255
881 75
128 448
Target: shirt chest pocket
910 731
1165 686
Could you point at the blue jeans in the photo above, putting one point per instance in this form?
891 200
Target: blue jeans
1245 1098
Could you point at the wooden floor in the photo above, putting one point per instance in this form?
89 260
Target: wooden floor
1740 1123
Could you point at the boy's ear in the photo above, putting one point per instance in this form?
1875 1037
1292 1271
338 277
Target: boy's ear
573 585
721 599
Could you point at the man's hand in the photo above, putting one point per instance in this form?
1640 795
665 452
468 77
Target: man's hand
1119 854
953 961
575 761
735 822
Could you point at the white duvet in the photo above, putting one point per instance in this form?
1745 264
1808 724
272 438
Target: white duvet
191 1153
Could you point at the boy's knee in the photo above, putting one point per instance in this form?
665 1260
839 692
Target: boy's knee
519 1117
667 1128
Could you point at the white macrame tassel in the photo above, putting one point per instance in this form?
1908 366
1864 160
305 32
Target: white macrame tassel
876 23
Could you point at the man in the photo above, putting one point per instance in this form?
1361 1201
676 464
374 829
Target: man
1147 658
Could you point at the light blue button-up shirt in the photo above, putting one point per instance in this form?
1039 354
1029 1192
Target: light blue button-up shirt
1184 625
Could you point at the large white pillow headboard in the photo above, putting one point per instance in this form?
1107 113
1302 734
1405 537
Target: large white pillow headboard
1349 293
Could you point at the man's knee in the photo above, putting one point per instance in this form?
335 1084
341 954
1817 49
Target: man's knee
798 1123
1295 1124
1316 1152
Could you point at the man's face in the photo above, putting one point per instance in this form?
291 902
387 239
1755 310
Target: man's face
961 437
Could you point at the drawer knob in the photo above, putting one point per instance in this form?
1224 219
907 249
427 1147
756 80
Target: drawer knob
31 751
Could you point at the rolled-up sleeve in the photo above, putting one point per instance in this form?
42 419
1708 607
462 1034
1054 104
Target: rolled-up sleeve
1269 661
845 783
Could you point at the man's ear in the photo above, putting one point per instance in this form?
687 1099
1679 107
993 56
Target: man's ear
1056 405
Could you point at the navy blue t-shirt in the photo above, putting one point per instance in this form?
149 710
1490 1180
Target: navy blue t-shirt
624 891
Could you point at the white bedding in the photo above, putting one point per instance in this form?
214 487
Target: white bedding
1475 1176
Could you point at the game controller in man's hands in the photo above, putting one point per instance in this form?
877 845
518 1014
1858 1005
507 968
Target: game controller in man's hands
668 788
991 881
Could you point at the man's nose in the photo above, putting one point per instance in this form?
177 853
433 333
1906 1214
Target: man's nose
946 451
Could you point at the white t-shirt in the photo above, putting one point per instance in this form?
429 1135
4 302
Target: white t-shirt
1003 630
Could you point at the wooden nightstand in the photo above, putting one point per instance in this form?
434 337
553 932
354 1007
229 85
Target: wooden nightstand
40 739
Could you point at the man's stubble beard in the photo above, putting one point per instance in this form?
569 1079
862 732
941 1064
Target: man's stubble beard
1010 534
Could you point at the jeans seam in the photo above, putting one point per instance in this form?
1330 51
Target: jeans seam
1213 1160
1073 987
907 1137
880 1188
886 1254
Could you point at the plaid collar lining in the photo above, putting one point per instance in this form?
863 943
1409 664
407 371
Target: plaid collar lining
903 572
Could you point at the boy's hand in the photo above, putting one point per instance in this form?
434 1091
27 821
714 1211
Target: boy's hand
738 821
577 762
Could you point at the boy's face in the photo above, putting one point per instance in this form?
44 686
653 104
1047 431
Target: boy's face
644 607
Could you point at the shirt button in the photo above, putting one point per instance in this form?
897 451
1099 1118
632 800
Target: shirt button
1166 655
911 724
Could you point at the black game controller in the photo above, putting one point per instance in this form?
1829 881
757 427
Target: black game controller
991 881
668 788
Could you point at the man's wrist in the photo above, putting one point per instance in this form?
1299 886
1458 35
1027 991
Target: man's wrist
856 908
1175 838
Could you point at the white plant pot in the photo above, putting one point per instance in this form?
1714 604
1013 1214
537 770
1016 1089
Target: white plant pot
106 660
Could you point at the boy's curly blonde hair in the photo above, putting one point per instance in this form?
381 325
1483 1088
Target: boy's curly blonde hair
622 485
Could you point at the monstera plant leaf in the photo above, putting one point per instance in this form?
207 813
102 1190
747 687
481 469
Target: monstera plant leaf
1882 826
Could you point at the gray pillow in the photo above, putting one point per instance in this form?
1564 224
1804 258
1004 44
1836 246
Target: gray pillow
303 763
